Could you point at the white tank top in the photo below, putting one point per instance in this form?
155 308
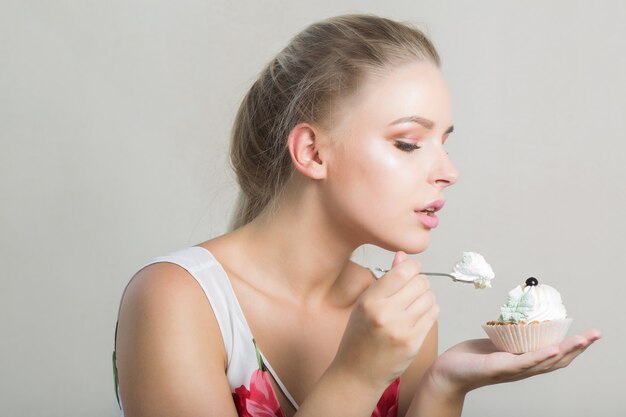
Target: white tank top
247 368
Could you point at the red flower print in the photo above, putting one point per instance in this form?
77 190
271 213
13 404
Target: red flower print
260 401
388 404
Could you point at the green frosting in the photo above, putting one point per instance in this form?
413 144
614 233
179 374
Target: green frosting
516 309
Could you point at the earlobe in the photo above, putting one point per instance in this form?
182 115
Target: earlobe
304 150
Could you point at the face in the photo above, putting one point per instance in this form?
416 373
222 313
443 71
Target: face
387 168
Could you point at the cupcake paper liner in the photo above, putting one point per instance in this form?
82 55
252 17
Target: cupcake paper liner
521 338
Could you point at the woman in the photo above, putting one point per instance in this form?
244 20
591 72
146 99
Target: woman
339 143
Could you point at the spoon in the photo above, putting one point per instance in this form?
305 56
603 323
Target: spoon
378 272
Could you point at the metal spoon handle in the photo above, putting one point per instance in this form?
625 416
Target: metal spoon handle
431 274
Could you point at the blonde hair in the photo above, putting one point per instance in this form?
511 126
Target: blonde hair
324 62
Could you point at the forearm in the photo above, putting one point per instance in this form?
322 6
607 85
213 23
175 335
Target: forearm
342 395
431 400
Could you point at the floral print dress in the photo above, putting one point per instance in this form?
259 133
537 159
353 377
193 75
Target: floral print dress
249 374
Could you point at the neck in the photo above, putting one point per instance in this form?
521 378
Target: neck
295 250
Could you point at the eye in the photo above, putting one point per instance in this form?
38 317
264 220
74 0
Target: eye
406 146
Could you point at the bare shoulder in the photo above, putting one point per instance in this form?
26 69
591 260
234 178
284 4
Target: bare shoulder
160 287
170 354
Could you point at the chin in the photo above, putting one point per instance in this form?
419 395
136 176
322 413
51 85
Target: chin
411 246
415 249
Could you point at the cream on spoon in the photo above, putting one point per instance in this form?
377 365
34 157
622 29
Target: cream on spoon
474 269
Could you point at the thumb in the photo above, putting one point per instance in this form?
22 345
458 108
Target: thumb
399 257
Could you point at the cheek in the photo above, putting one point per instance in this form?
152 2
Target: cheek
376 169
381 155
377 174
385 180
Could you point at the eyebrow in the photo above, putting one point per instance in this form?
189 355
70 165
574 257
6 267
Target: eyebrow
428 124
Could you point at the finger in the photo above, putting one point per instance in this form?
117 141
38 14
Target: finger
399 257
574 343
412 290
592 334
566 359
425 321
571 348
511 367
420 306
568 350
396 278
536 358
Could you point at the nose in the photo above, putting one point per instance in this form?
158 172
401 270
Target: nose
446 173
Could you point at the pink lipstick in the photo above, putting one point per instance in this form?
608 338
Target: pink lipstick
427 214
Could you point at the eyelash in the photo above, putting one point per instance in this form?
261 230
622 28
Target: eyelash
406 147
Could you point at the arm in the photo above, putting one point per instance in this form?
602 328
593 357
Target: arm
413 375
476 363
418 394
170 354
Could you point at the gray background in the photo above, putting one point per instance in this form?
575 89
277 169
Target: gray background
114 121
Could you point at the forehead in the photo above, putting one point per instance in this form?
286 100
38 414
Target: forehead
414 89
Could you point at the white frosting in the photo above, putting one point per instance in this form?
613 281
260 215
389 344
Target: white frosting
533 302
473 268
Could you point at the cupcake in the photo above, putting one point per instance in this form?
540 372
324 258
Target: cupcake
532 318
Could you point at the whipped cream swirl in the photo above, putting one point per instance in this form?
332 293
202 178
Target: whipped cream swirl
473 268
533 303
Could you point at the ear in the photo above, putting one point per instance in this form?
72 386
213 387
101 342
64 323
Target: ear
304 148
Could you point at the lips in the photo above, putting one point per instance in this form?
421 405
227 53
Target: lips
427 215
432 207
